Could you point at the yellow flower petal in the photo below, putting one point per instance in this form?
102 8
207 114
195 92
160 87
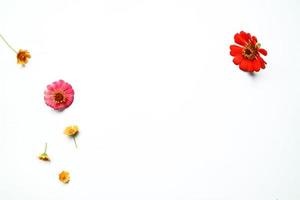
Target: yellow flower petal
71 130
64 177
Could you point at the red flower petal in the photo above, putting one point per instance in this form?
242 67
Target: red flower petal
246 65
239 39
254 40
238 59
246 36
243 65
263 63
235 50
256 65
263 52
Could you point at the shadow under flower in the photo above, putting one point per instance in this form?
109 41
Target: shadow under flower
252 74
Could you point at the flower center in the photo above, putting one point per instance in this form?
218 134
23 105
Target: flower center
59 97
250 51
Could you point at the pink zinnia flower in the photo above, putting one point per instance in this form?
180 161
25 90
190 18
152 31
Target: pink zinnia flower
59 95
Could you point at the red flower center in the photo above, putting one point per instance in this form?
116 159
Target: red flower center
59 97
250 51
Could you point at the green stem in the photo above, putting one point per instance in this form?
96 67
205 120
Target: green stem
8 44
75 142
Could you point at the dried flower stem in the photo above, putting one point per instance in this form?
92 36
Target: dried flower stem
8 44
46 147
75 142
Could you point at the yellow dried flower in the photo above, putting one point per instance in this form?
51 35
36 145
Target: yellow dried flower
44 156
72 131
64 177
23 56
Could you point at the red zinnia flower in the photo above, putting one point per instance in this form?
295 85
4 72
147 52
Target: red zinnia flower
247 55
59 95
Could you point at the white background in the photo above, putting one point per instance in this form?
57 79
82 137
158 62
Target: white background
164 113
